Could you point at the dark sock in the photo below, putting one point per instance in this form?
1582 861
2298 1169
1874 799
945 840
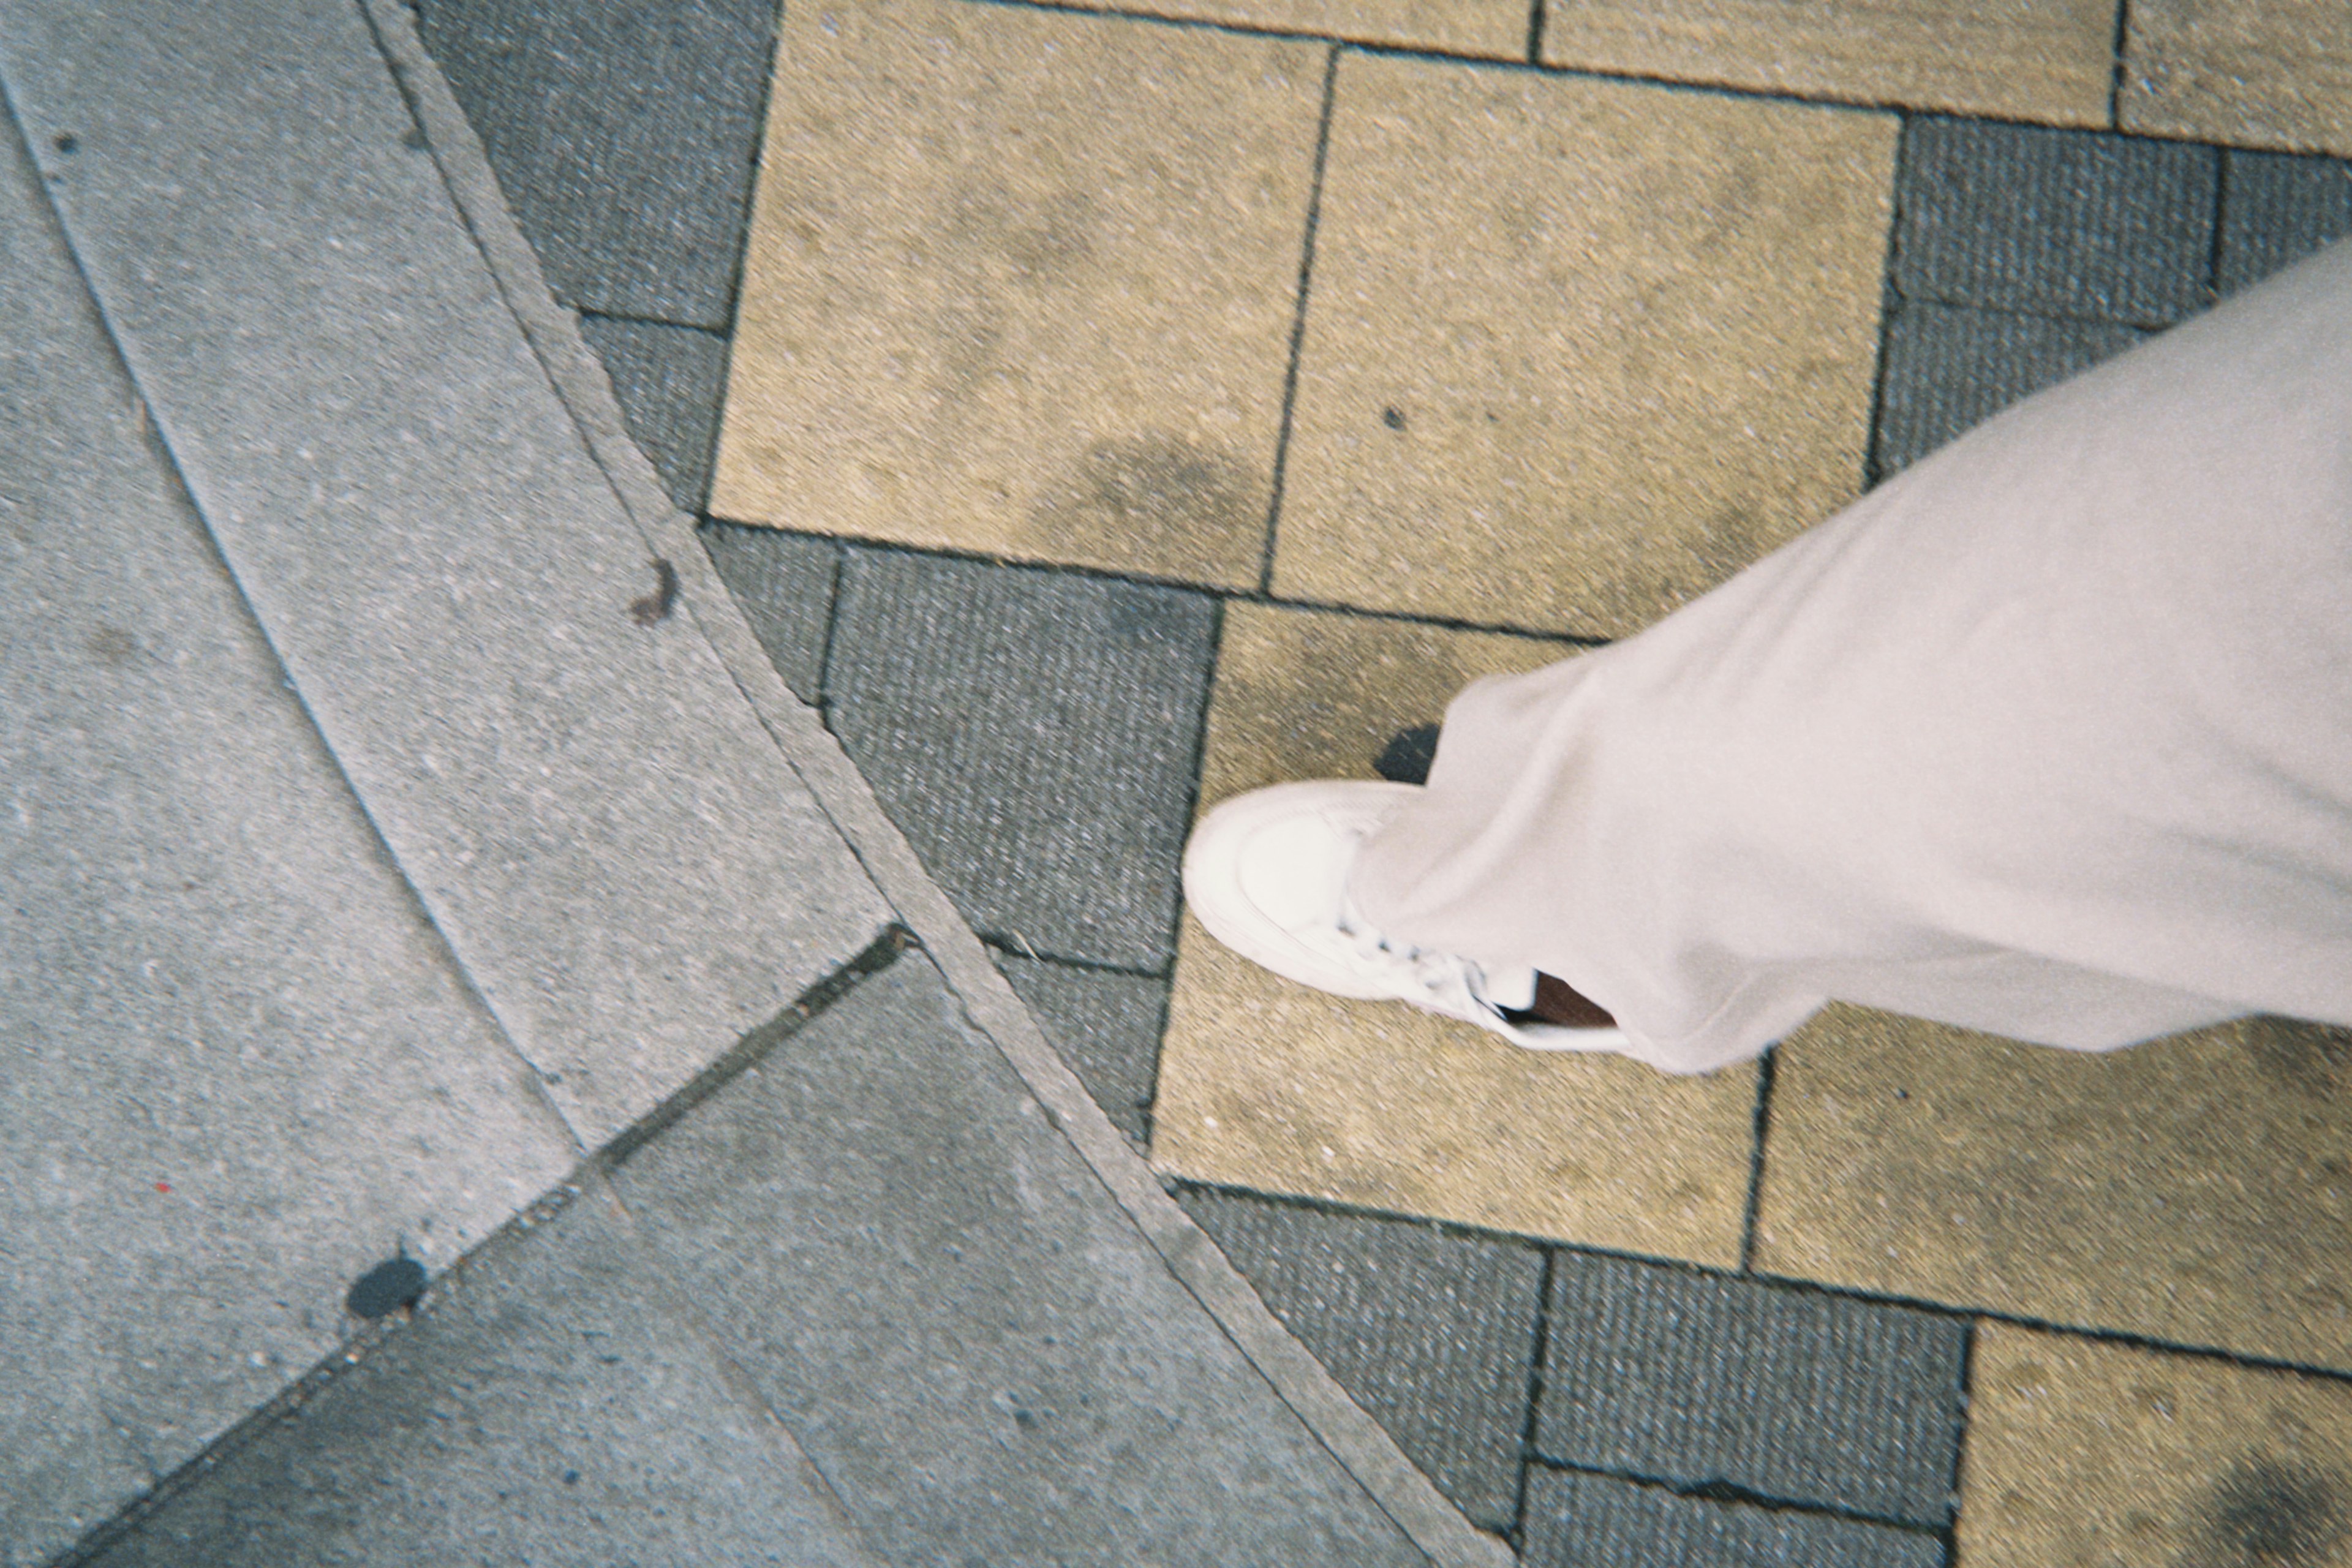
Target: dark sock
1558 1002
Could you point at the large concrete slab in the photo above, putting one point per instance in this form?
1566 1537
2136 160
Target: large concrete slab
1266 1084
241 1067
2049 60
1796 1395
624 138
2083 1454
2194 1190
1432 1330
1654 365
970 1339
2256 73
547 1407
1493 27
589 810
1022 282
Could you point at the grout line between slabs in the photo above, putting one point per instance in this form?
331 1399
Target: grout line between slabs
1298 320
1539 1352
1720 1491
1761 1130
1390 1482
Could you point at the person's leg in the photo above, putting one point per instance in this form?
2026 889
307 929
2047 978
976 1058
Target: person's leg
2049 736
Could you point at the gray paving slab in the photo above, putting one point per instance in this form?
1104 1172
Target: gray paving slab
784 583
2061 223
237 1068
1791 1395
544 1407
669 381
1106 1025
1597 1521
1035 734
625 138
1948 368
588 806
1433 1334
2277 209
966 1334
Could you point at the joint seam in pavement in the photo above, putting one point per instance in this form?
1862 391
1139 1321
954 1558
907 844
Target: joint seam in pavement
1529 1455
1762 1126
1358 1443
1723 1492
1298 317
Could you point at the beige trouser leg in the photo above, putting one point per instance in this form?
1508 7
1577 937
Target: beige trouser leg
2049 736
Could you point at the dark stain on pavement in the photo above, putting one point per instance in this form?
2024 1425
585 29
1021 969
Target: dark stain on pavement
2268 1512
2313 1059
396 1283
1154 495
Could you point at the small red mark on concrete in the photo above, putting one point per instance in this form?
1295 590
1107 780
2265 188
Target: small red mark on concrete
162 1186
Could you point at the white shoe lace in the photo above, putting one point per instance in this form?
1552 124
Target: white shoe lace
1439 980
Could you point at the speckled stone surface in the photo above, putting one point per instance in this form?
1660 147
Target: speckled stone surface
1497 28
2083 1455
1106 1023
2194 1190
1576 1521
1022 282
668 381
1655 367
2047 60
1267 1084
2253 73
2275 210
1795 1396
784 582
1432 1332
1948 368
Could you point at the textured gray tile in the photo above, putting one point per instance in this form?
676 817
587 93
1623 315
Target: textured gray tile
625 138
1106 1026
1948 368
2063 223
668 381
2277 209
540 1410
587 806
974 1345
1594 1521
785 584
237 1067
1433 1334
1790 1394
1035 734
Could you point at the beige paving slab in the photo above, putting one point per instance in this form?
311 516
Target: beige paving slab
1496 29
2194 1190
2047 60
2253 73
1575 350
2082 1455
1022 282
1269 1085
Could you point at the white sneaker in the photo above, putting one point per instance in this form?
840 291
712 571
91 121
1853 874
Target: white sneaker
1268 873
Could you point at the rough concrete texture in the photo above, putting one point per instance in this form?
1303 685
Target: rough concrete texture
1794 1395
588 807
1597 1521
2082 1454
625 138
2275 210
2048 60
547 1407
668 382
1433 1334
2194 1190
2258 73
784 582
1022 282
1033 733
1657 369
2060 222
1267 1084
1947 369
1496 29
241 1069
1105 1024
974 1345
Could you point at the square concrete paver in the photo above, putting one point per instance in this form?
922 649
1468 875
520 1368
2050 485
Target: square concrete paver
2255 73
1496 29
1575 350
2082 1455
1269 1085
2193 1189
1022 282
2049 60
